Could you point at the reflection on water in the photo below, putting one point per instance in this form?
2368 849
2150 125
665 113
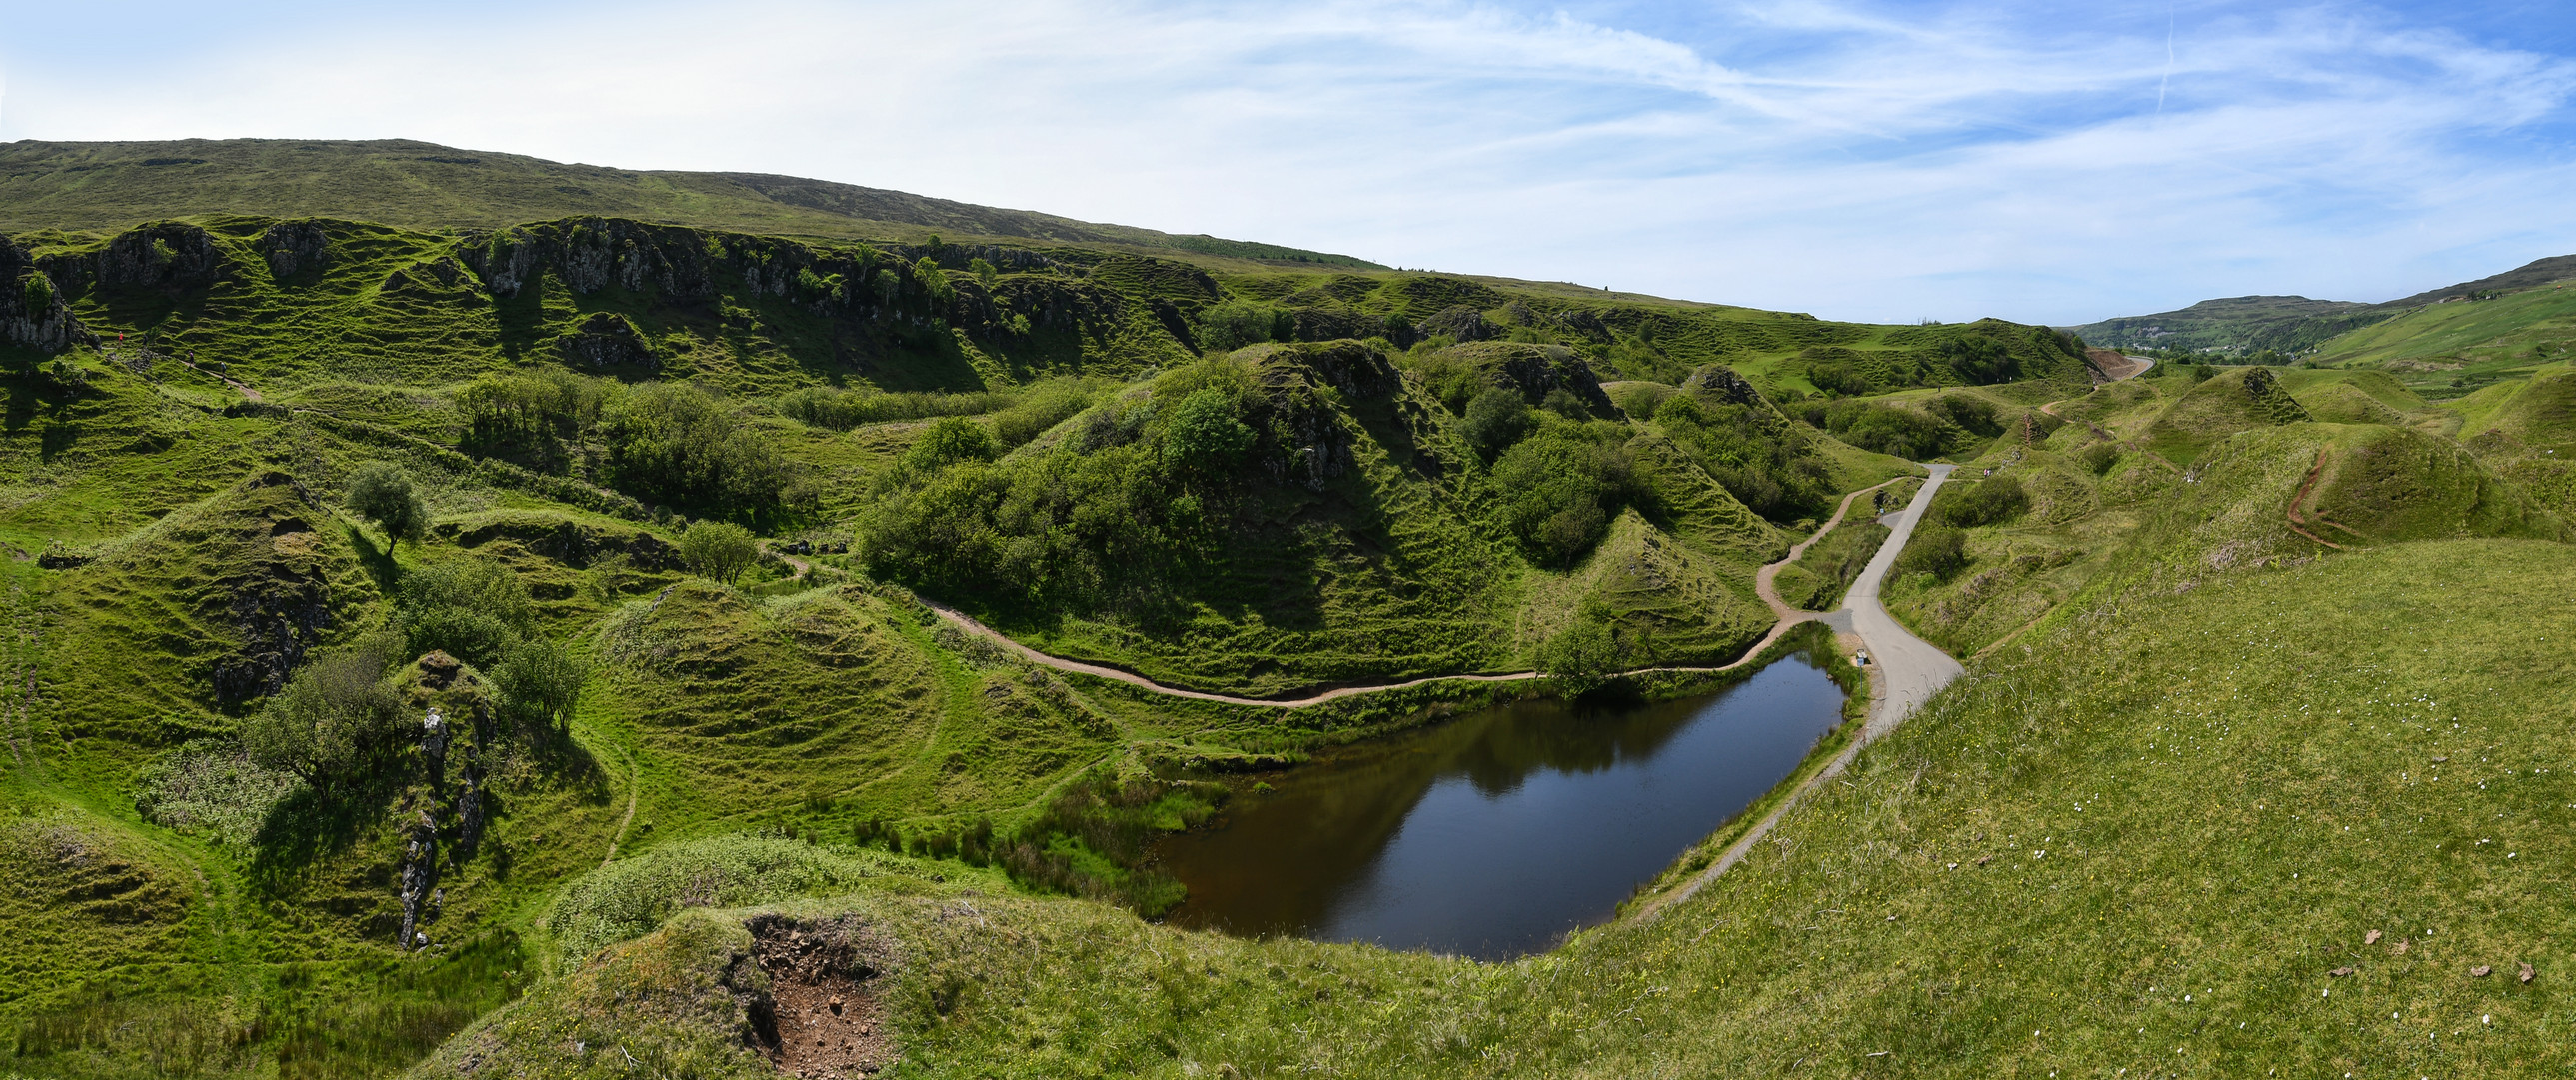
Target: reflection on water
1494 834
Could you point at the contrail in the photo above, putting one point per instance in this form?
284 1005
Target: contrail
2169 59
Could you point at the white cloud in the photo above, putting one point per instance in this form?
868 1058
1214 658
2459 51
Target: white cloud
1810 156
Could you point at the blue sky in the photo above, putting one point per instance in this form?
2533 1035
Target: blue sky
1870 161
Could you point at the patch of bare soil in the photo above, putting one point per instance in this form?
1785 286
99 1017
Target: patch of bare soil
825 1021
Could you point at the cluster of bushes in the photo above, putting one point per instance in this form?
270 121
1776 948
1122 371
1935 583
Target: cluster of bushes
1947 424
1136 487
840 410
1751 452
677 445
671 444
1094 839
1993 501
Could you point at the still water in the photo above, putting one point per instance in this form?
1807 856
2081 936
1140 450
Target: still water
1494 834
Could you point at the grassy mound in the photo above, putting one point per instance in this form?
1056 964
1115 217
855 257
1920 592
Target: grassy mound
2238 399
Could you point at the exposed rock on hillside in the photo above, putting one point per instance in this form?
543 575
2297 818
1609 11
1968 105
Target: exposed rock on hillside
32 312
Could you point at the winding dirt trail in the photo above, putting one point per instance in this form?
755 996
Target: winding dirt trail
1789 618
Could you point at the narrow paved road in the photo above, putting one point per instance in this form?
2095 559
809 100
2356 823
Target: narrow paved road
1910 669
1907 671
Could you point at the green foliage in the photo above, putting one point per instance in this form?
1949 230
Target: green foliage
1560 487
631 897
1829 566
1940 550
841 410
1204 434
526 410
38 292
947 441
1039 408
984 273
1228 325
677 445
1887 429
1993 501
1752 452
336 719
383 494
719 551
1496 418
541 680
1583 656
933 280
475 610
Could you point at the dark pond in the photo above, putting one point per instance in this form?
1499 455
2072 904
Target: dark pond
1494 834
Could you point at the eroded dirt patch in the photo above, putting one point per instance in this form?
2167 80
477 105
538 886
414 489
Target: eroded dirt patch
825 1014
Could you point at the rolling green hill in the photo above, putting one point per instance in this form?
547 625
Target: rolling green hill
112 186
646 508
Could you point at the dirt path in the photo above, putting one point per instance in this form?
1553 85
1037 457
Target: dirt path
1789 618
1763 578
634 787
1906 670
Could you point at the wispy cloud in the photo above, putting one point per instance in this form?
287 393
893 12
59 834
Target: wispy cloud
1851 159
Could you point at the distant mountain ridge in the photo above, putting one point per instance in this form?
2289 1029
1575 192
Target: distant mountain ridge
2293 323
113 185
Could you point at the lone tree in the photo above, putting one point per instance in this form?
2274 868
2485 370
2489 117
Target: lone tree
718 551
383 494
331 722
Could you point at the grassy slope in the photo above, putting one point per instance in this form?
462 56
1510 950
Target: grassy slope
85 186
2094 771
2442 349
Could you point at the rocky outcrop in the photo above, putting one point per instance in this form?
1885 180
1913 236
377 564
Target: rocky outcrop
33 314
1304 438
171 257
1721 382
1462 323
607 340
1537 370
295 247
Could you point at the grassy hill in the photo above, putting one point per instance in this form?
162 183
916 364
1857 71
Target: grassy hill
682 788
113 186
2243 324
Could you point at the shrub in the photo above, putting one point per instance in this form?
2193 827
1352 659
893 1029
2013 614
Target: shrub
1938 550
1992 501
1232 324
473 609
675 444
1839 379
1582 657
383 494
948 441
1204 433
1885 429
540 681
39 294
718 551
933 280
1495 420
1559 490
984 273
